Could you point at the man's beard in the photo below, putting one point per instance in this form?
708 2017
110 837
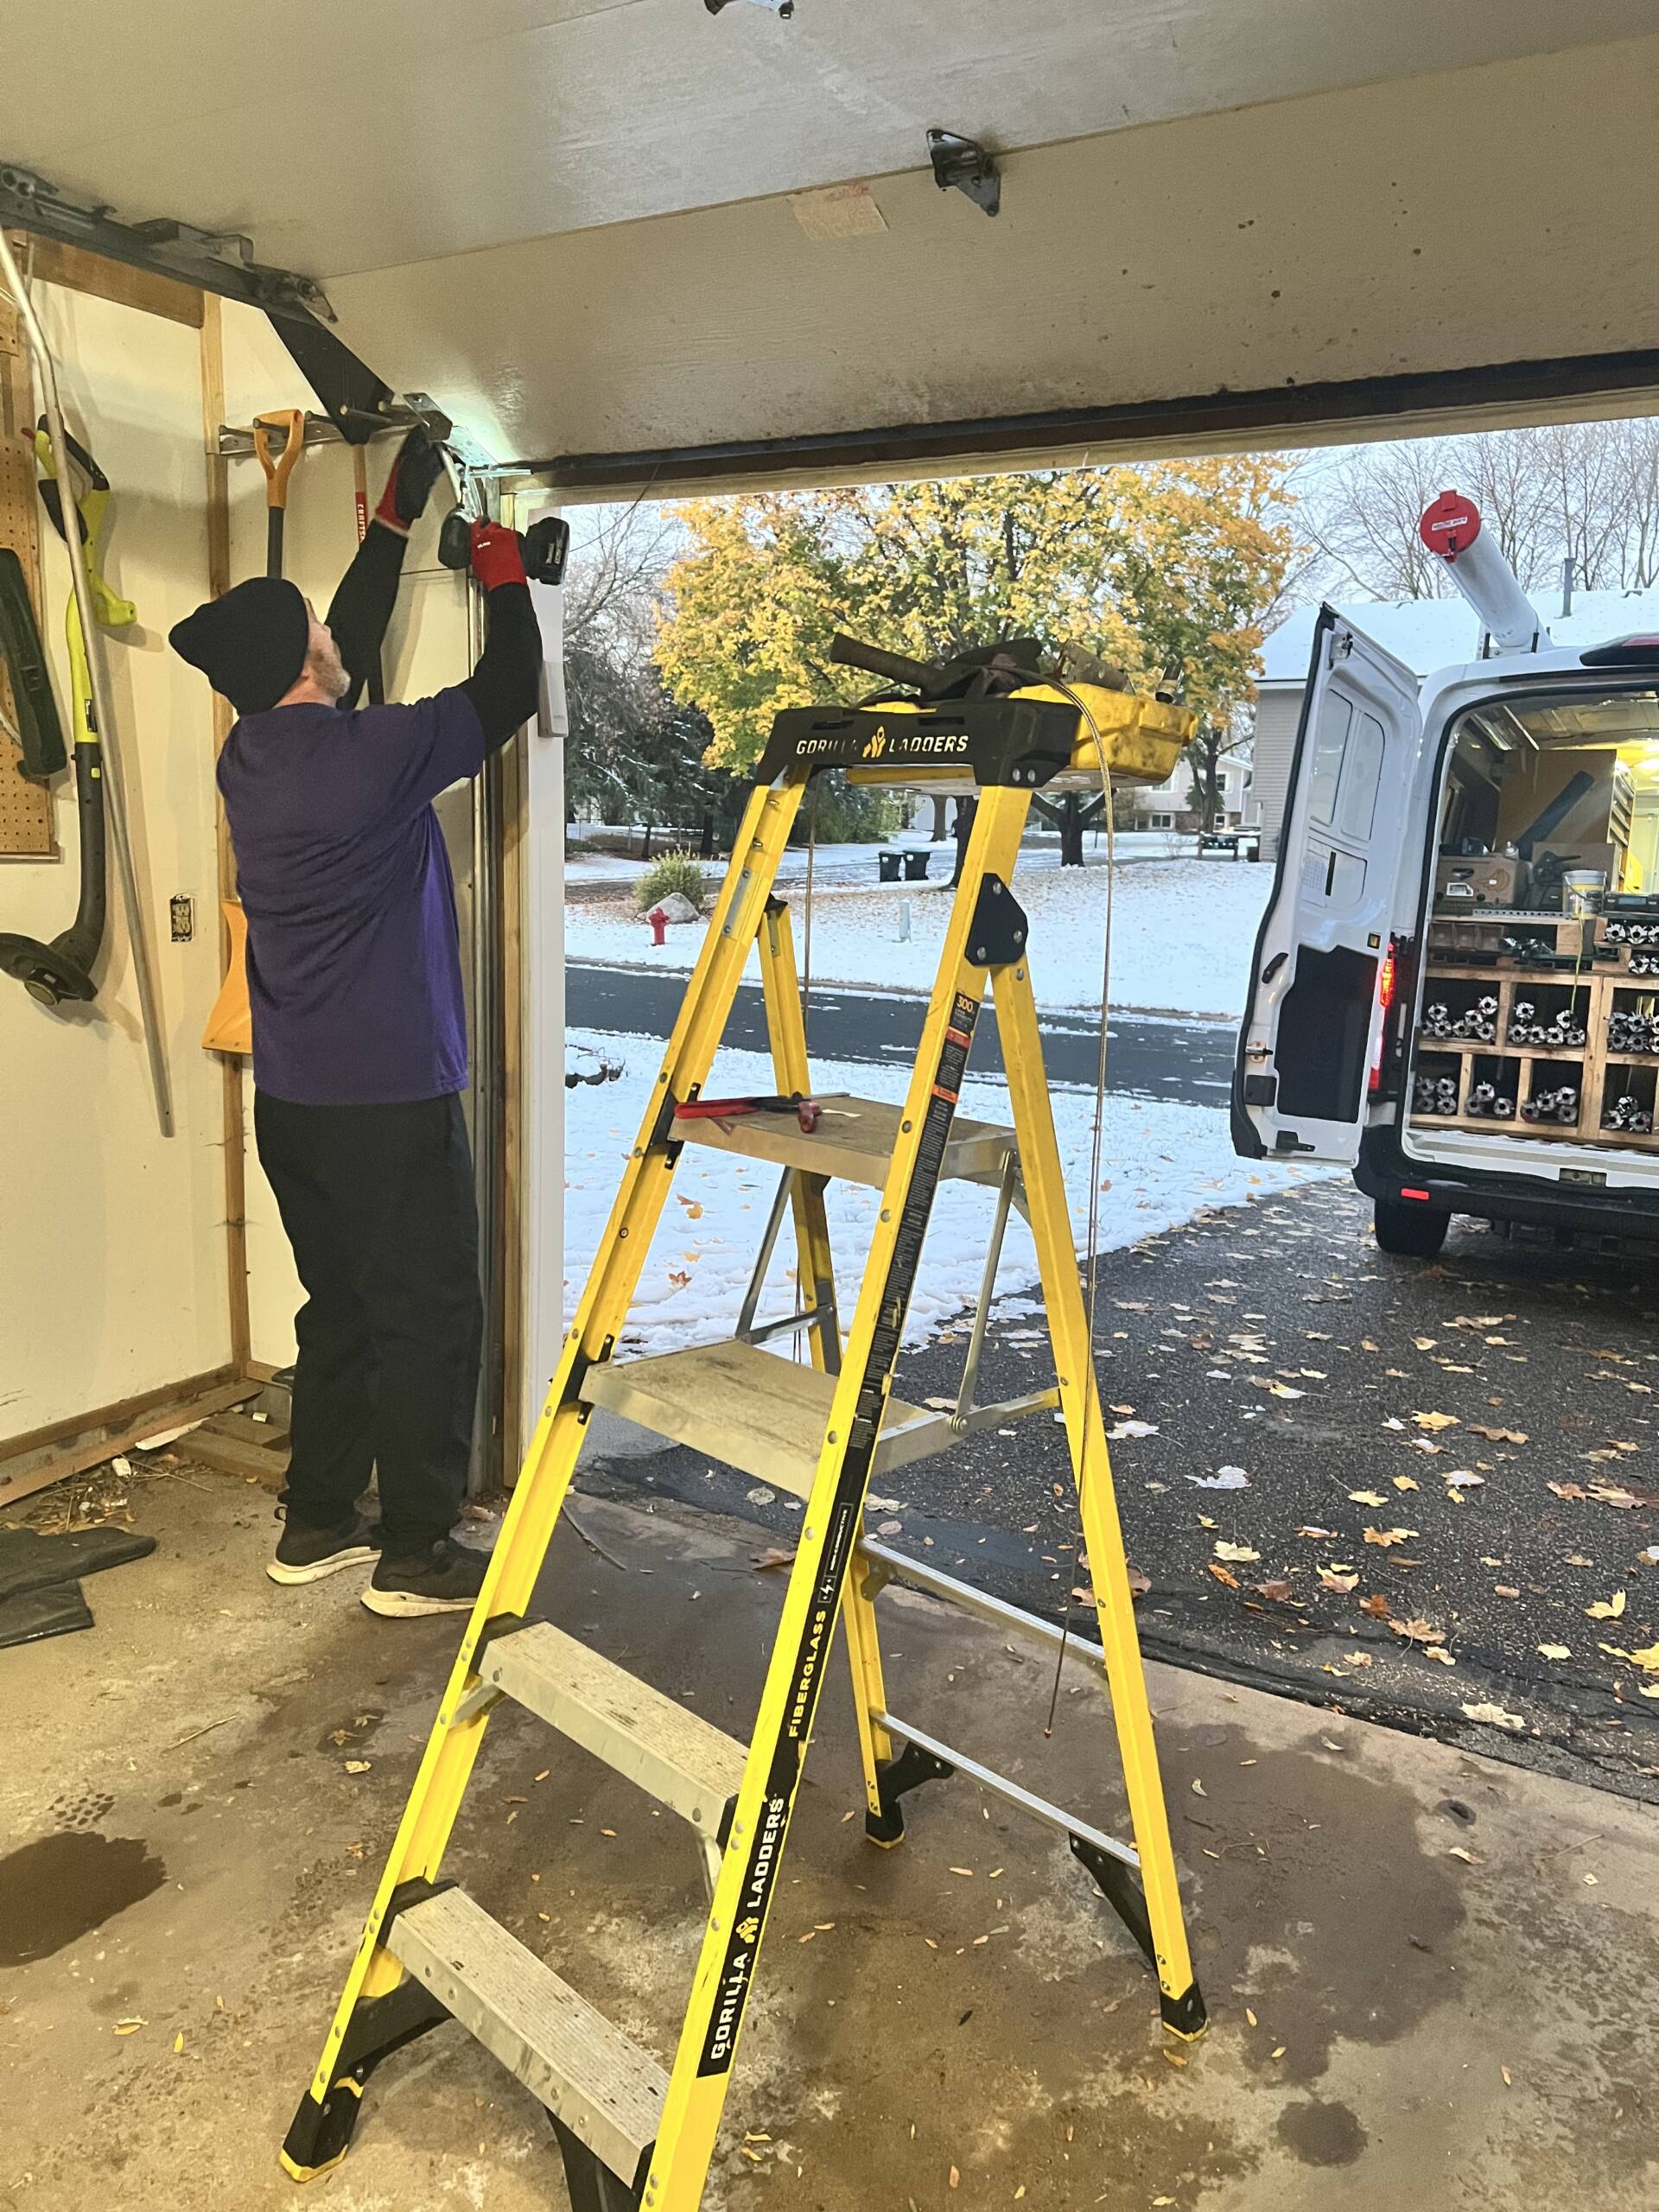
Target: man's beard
327 671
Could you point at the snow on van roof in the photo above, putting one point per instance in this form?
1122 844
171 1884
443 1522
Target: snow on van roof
1431 633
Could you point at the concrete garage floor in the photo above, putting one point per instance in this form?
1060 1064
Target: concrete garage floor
1431 1977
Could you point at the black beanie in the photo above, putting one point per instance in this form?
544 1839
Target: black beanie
251 644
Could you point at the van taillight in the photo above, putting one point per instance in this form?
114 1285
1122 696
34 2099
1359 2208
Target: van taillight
1386 982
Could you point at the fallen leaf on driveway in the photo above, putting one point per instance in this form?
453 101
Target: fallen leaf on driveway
1497 1435
1318 1533
1277 1593
1494 1716
1556 1650
1648 1658
1131 1428
1222 1575
1377 1607
1611 1494
1237 1552
762 1561
1367 1498
1438 1651
1568 1490
1461 1478
1418 1631
1435 1422
1407 1481
1387 1536
1284 1390
1607 1609
1332 1581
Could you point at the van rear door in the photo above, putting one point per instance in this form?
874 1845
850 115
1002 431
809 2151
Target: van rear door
1313 1018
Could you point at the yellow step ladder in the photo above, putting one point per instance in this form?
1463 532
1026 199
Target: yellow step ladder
634 2138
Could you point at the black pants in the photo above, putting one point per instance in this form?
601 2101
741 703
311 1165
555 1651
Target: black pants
378 1205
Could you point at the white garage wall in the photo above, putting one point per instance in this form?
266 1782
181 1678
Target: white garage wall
112 1270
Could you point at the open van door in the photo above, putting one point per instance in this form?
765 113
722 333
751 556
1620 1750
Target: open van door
1313 1016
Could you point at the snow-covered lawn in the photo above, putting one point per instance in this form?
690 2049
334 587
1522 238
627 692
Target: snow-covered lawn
1162 1164
1182 930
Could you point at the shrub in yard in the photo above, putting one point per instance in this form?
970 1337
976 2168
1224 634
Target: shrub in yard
671 872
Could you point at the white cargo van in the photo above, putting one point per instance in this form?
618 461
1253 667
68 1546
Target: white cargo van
1435 1002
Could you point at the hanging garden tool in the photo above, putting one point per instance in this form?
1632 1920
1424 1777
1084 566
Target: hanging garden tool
132 898
230 1024
63 969
278 467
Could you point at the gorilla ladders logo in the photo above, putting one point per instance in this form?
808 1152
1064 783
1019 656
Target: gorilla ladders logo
885 743
740 1963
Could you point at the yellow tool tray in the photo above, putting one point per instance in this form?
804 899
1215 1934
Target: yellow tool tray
1142 739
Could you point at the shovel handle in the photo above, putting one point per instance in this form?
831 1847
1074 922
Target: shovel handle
279 467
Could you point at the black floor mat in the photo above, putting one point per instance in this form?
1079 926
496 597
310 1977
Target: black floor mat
58 1610
29 1560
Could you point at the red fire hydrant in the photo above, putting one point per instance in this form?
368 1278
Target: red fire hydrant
658 921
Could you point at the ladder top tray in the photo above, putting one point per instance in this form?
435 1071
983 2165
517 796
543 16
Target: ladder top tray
1039 737
854 1141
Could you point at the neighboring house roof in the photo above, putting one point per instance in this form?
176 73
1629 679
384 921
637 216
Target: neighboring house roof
1431 633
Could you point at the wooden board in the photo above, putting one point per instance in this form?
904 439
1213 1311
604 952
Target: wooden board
78 270
26 814
233 1444
26 1470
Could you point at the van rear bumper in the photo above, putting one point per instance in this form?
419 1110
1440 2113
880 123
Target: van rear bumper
1384 1172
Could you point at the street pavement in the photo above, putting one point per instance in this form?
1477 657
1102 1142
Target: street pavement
1449 1515
1148 1056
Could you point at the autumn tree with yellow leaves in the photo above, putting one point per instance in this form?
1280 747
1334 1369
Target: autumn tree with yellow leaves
1169 569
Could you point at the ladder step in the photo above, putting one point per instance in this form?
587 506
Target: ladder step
681 1759
853 1141
763 1415
607 2091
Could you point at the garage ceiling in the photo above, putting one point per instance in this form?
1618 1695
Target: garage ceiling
1225 221
351 137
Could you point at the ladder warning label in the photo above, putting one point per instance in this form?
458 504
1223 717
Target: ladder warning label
737 1969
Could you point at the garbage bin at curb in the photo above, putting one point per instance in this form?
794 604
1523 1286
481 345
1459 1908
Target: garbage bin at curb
916 866
887 866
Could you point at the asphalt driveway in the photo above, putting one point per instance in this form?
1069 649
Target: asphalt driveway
1426 1493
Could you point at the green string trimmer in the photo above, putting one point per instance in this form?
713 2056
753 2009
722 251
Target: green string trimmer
63 970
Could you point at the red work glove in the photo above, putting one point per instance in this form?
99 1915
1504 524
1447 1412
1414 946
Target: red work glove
497 555
417 469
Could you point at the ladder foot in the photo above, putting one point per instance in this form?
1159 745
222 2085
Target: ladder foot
894 1777
321 2131
1185 2016
592 2186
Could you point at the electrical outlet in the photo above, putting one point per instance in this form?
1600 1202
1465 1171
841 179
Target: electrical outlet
182 908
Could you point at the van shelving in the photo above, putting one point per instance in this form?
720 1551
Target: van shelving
1591 1065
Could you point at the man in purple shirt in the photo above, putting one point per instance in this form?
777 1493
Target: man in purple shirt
359 1039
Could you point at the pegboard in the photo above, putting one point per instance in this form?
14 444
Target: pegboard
26 814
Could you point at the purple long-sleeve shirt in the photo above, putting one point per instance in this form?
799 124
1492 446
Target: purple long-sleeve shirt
353 950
